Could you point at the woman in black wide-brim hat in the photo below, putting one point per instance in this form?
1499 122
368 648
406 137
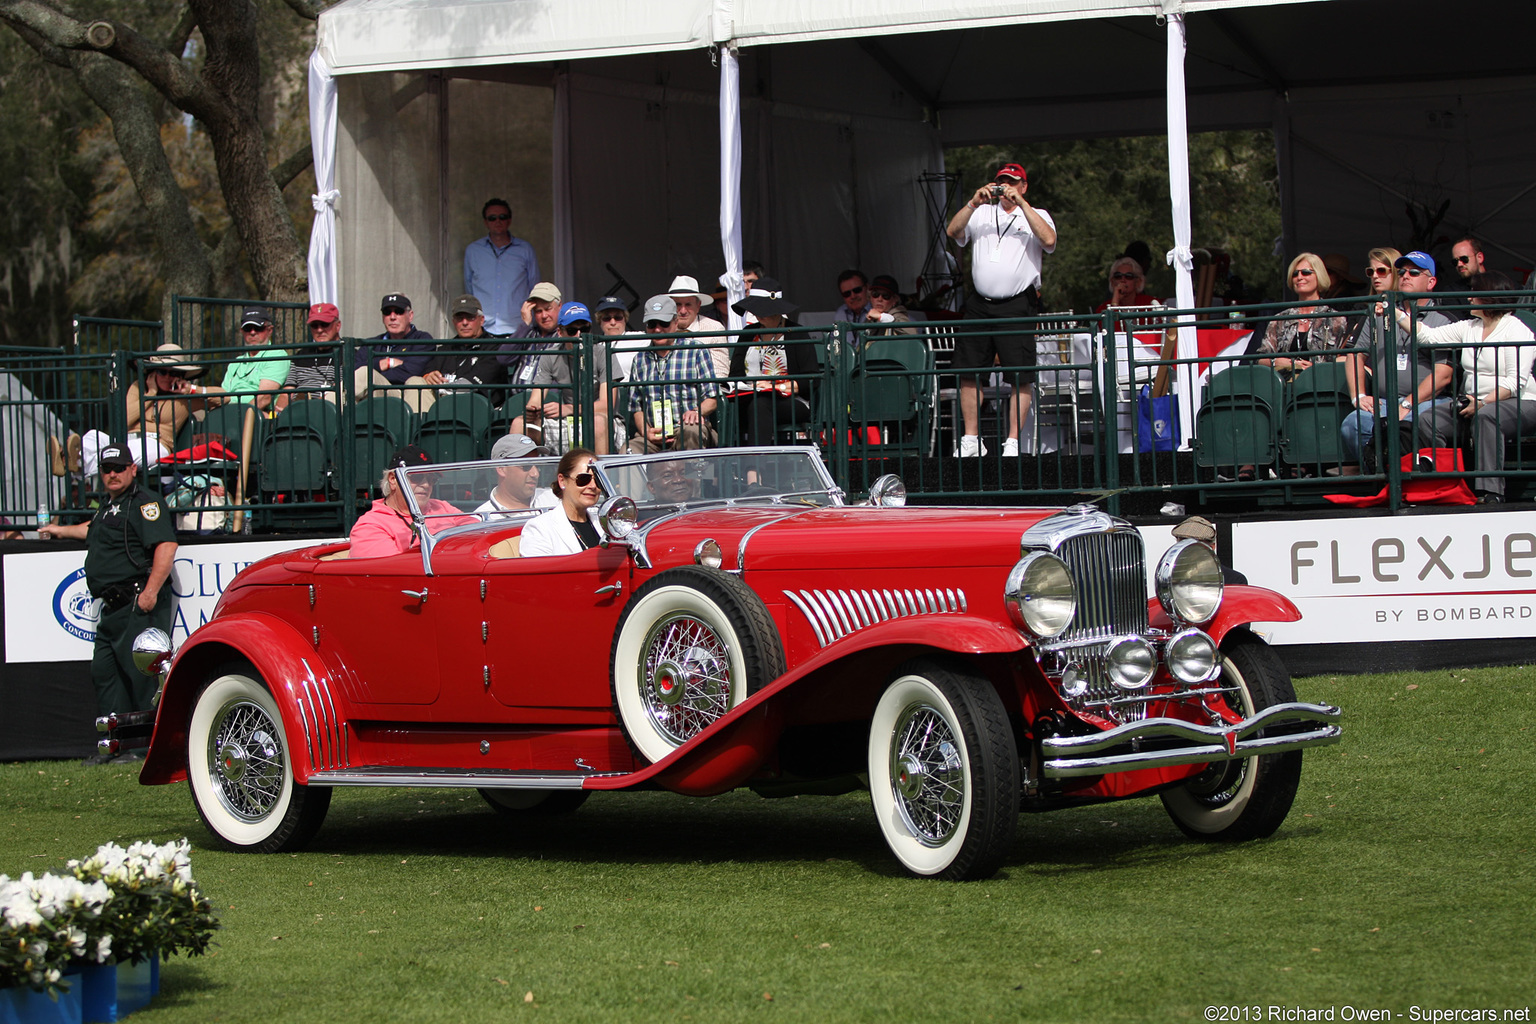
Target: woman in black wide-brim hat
771 377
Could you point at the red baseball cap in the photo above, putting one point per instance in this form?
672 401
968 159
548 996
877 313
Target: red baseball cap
1011 171
324 313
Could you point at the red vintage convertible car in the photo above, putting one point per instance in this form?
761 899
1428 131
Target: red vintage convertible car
742 625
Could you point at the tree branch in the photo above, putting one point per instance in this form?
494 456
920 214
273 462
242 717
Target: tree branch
307 8
177 43
291 168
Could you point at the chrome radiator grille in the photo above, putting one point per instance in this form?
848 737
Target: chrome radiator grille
1109 571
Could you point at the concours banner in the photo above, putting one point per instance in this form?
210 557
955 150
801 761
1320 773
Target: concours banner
1387 578
50 616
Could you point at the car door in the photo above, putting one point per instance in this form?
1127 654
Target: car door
375 613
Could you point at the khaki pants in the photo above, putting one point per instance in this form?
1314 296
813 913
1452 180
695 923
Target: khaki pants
368 381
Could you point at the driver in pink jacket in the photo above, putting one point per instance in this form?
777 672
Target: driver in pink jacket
385 529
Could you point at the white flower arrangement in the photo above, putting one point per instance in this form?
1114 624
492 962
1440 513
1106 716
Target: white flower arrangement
117 905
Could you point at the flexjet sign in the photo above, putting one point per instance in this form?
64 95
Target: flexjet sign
1402 578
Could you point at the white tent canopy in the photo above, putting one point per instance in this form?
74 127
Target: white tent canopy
602 121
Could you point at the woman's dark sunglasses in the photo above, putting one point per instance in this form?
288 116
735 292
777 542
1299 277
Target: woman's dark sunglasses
582 479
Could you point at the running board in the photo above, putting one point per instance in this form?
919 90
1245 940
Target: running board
450 778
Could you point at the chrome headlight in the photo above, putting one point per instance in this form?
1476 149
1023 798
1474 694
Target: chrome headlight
1191 656
888 492
1189 582
1130 662
1040 594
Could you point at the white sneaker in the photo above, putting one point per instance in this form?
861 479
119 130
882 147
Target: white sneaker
971 447
1011 448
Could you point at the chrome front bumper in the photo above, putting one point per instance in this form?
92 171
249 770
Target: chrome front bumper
1159 742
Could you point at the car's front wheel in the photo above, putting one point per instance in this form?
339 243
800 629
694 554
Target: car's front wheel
1232 801
943 772
240 770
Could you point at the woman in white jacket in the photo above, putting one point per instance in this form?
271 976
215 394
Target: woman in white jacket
567 528
1498 398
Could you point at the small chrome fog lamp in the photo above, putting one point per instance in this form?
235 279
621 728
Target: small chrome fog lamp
1130 662
1073 682
1189 582
1040 595
888 492
618 518
1191 656
707 554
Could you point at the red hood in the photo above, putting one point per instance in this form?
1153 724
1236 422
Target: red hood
857 537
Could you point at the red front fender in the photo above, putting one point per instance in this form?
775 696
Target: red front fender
286 662
1240 605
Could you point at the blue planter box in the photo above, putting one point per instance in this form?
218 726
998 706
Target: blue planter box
23 1006
98 993
136 985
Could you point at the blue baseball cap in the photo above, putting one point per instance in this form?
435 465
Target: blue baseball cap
1422 260
574 312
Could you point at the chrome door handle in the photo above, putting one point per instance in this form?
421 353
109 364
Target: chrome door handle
612 588
420 595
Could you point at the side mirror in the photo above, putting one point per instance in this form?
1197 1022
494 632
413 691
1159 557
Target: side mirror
887 492
151 650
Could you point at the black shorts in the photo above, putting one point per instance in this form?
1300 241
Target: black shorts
974 351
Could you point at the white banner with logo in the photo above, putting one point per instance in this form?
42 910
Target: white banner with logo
50 615
1387 578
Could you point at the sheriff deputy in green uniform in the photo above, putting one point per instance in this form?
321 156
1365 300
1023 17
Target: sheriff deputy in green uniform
130 549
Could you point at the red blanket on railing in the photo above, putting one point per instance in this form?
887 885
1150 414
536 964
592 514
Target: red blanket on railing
212 451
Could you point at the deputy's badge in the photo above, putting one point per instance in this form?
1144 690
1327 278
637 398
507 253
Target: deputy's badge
150 511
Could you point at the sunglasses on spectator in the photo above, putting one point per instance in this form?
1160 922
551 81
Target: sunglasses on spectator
498 216
572 330
881 293
583 479
255 328
1380 271
464 316
1302 272
1122 276
1463 259
320 325
852 292
394 311
1413 271
612 315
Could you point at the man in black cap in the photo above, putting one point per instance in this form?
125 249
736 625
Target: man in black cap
386 528
130 550
468 360
396 361
259 373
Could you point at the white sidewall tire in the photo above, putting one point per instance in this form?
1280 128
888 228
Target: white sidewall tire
914 853
210 707
629 688
1200 815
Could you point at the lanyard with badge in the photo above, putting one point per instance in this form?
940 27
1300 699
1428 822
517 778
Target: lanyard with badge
997 243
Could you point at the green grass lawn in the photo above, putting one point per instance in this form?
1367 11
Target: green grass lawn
1403 877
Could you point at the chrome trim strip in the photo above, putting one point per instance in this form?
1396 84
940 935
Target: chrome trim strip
309 741
741 545
798 602
319 726
834 614
448 778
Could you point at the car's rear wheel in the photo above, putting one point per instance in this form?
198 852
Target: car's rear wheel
241 773
1232 801
943 772
691 644
535 803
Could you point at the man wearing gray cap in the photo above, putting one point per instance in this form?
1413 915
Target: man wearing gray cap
468 360
129 553
674 391
517 486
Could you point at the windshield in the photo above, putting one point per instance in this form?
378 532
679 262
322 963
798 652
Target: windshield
514 489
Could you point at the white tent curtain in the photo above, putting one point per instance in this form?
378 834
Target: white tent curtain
730 179
1180 257
322 140
565 249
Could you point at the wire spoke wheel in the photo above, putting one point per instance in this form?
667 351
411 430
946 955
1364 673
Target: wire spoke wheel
691 645
943 772
240 772
1232 801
